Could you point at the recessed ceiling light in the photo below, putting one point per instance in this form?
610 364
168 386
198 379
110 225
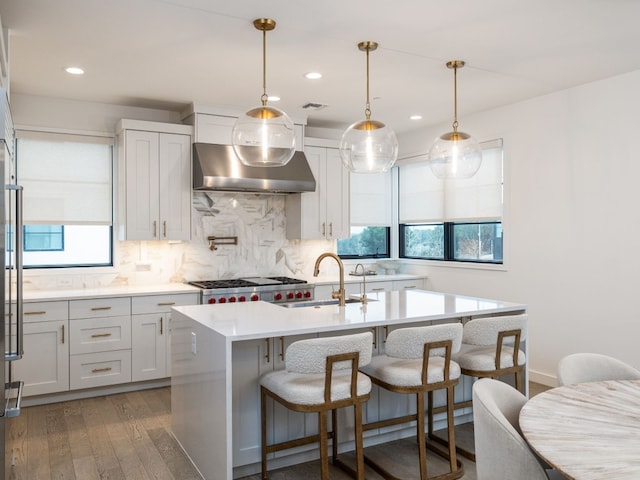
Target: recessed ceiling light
74 70
313 75
273 98
415 117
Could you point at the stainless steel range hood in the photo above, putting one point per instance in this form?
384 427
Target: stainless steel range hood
216 167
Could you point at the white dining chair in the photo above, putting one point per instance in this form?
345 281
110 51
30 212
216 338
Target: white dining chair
501 451
321 375
593 367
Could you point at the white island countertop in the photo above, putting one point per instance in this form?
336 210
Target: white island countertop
252 320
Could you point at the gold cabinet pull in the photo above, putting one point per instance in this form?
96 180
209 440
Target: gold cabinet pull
155 230
39 312
166 304
282 348
268 355
378 289
160 325
410 286
164 229
62 335
99 335
324 230
100 370
375 337
386 333
95 309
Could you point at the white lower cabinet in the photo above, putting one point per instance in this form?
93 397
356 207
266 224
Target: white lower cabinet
96 342
90 370
150 334
44 368
99 342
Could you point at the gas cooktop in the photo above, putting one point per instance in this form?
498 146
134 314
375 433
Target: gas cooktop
245 282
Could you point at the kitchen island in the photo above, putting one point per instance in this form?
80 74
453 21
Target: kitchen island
220 351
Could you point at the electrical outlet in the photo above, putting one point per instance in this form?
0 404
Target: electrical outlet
194 343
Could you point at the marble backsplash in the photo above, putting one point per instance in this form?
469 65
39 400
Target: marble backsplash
263 249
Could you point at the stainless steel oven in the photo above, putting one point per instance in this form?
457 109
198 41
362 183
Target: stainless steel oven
252 289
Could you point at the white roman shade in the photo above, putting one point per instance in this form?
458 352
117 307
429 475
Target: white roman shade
425 199
370 199
67 179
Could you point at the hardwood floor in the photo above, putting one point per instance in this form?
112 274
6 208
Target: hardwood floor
127 436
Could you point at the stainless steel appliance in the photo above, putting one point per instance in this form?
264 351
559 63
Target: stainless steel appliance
252 289
11 284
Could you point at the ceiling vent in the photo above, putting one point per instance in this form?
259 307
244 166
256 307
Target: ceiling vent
313 106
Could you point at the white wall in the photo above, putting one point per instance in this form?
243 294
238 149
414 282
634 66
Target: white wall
572 224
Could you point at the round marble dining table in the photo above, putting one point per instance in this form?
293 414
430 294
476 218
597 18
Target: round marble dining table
587 431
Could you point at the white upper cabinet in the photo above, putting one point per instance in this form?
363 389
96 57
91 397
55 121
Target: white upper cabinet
323 214
155 181
4 57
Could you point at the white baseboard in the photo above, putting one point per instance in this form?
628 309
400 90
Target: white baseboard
543 378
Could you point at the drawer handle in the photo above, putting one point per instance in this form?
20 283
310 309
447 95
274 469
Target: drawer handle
166 304
100 370
100 308
378 289
161 326
98 335
41 312
409 286
62 334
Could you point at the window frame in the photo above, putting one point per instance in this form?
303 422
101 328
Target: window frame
372 256
448 242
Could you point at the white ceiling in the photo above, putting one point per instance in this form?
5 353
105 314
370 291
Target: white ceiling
169 53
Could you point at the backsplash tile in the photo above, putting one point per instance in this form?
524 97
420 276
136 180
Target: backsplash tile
257 220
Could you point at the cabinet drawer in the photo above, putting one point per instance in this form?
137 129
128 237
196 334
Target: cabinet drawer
162 303
99 334
45 311
99 307
99 369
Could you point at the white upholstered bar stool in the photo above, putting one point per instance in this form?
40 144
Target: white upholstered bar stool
593 367
321 375
491 349
418 360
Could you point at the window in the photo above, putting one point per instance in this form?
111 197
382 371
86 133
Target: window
453 220
68 206
365 242
370 216
43 238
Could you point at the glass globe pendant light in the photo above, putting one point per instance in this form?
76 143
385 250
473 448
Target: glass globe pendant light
368 146
455 154
264 136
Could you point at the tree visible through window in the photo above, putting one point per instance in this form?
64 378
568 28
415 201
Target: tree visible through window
365 242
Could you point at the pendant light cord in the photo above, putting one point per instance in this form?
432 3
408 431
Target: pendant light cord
455 98
264 96
367 110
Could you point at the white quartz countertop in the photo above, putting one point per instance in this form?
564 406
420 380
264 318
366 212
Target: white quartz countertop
115 291
252 320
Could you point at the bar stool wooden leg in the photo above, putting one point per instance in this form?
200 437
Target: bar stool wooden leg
450 428
324 455
422 443
263 431
357 413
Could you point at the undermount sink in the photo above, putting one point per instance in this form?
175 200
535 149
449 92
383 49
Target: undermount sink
318 303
